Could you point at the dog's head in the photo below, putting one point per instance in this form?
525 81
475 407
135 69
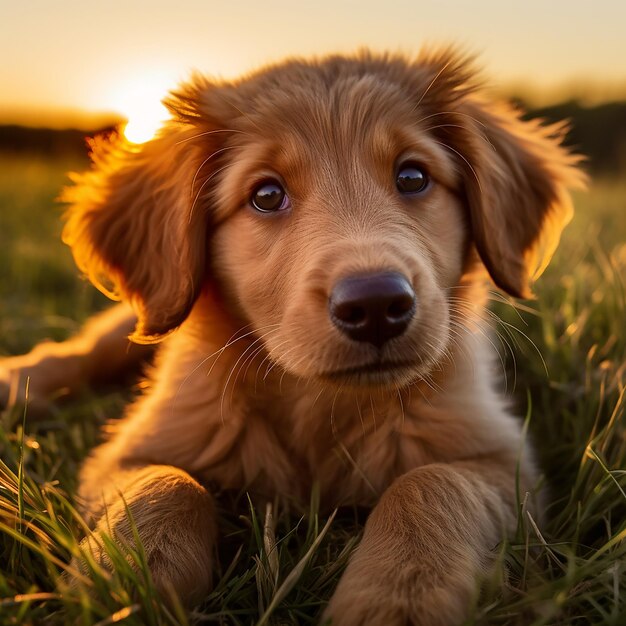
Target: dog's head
337 203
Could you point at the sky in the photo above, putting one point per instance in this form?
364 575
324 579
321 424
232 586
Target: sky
65 62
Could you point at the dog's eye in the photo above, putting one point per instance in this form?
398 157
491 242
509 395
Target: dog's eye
269 197
411 178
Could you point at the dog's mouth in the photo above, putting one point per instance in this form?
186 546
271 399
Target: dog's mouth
378 371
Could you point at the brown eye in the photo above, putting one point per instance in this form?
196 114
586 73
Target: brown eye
411 178
269 197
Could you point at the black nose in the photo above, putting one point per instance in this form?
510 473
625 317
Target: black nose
372 307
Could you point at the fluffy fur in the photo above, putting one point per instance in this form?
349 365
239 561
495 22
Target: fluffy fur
257 390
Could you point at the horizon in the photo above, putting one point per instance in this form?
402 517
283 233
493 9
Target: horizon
80 63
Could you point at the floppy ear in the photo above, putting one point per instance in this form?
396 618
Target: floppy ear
134 230
517 176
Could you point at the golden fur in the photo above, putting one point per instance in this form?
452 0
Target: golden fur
257 389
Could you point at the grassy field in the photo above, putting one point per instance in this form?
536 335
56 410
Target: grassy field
568 375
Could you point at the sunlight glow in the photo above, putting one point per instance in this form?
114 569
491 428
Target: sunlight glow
139 102
144 121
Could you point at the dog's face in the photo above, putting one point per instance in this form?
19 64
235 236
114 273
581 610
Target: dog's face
342 223
339 204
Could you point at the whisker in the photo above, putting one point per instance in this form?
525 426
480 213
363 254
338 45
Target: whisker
269 360
240 338
211 132
193 182
508 328
495 296
401 406
480 135
432 82
247 359
234 368
445 145
333 427
484 334
317 397
373 412
213 175
251 360
358 408
219 353
427 117
274 363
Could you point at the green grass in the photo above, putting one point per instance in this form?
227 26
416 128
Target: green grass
568 376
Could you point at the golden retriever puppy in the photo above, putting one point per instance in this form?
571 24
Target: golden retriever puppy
316 235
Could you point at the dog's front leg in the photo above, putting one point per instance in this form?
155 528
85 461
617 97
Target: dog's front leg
425 545
172 514
101 352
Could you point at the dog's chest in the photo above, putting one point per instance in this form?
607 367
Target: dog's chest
351 450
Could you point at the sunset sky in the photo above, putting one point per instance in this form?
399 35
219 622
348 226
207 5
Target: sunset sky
62 59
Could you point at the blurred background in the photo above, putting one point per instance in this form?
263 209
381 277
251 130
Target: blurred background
84 65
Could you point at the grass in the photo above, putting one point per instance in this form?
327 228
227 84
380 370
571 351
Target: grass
568 375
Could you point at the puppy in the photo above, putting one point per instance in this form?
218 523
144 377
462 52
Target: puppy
317 235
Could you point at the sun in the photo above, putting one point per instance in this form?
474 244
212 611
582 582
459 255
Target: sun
145 113
144 121
140 102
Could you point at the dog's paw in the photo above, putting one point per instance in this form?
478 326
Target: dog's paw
173 518
33 380
384 599
373 607
17 386
186 580
382 607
